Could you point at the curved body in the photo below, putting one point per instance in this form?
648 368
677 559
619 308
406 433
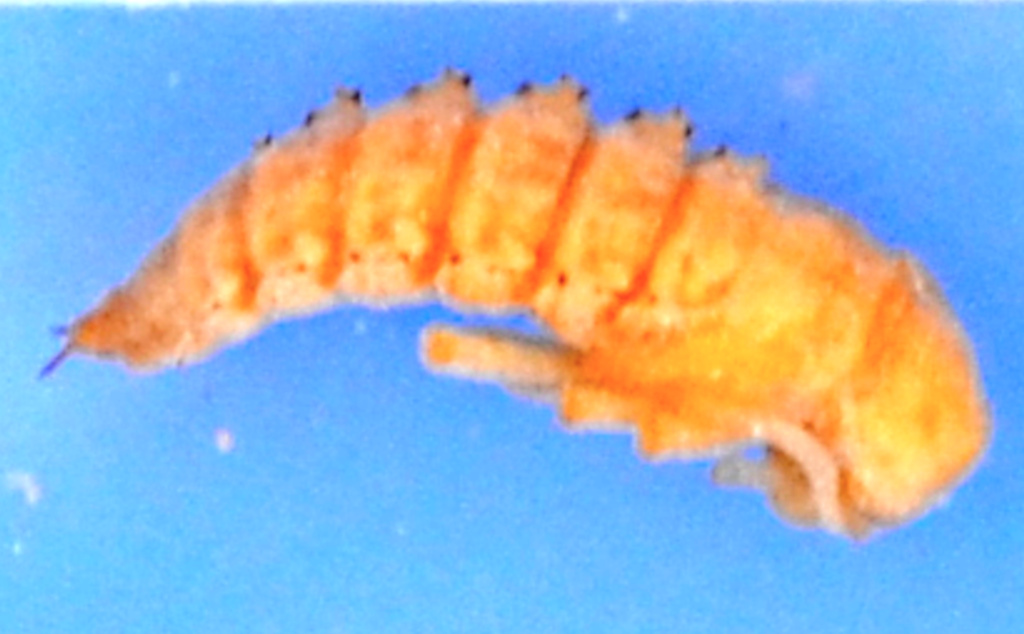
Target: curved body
688 301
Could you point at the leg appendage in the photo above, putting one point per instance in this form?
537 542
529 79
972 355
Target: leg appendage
798 473
531 366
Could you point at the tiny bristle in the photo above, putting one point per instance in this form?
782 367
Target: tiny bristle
634 114
460 76
343 93
524 88
54 363
263 142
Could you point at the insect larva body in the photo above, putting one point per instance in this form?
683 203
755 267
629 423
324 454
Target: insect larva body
688 302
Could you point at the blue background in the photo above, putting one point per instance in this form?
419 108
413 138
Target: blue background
367 496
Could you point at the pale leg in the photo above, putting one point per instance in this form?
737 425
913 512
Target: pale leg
531 366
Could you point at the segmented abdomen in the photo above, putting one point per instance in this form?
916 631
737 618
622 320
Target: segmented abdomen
520 207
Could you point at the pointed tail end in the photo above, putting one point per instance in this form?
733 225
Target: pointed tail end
58 359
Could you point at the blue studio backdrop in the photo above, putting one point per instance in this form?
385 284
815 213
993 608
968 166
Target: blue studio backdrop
316 479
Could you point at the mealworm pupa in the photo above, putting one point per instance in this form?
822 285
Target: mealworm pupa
689 302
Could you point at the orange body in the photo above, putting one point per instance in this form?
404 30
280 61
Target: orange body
688 302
